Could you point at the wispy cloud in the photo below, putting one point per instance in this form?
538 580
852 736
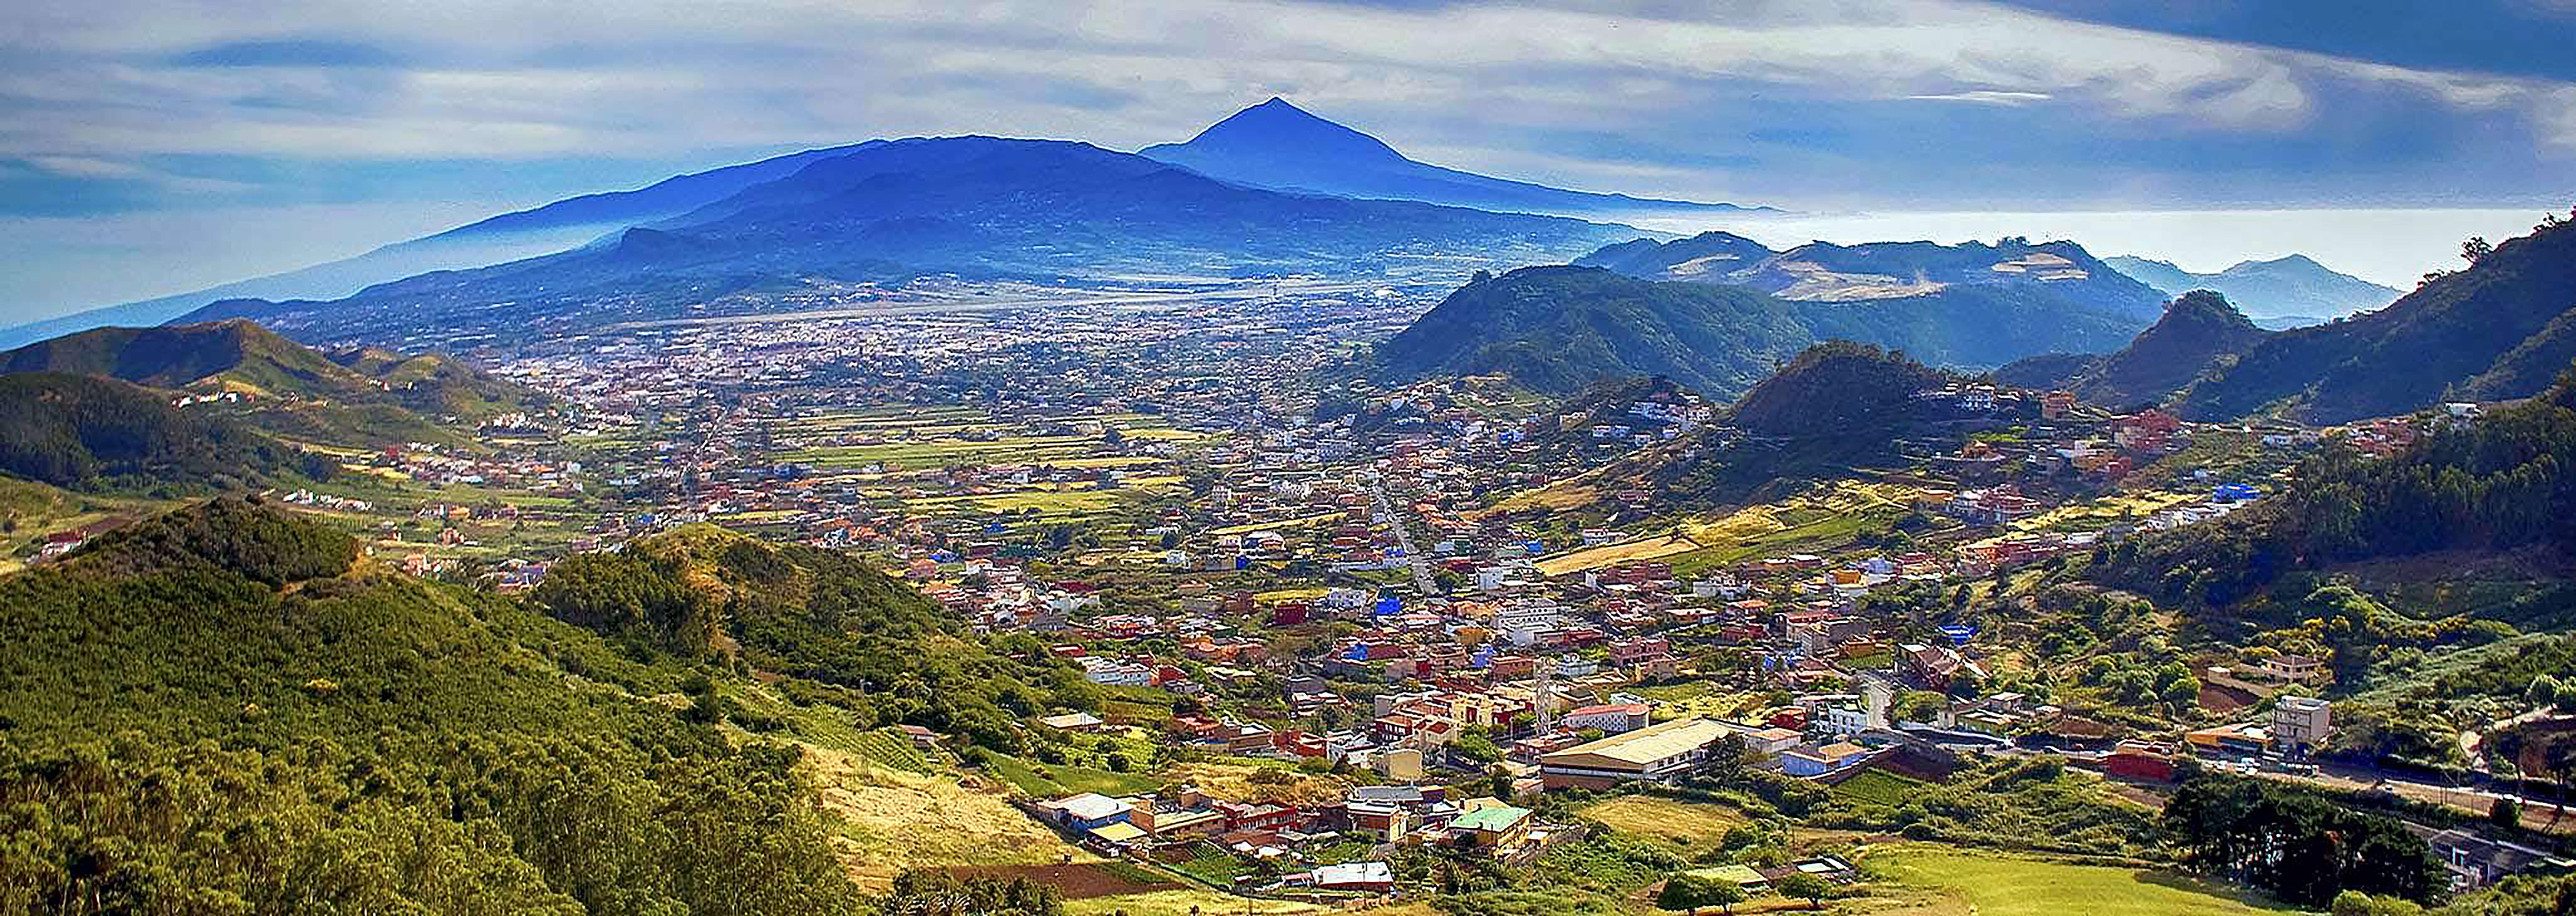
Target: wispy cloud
1985 97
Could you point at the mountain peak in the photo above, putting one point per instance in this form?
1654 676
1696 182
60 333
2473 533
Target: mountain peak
1279 128
2290 260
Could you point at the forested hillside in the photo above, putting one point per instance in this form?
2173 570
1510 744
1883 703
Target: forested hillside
865 641
2498 329
95 433
1834 407
2506 481
227 710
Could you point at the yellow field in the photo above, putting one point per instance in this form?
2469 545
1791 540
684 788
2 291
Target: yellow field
1680 822
1834 505
1300 522
1563 494
892 820
2136 505
1233 782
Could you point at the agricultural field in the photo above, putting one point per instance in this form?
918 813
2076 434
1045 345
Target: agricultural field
887 820
1042 780
1681 823
1701 698
1249 781
2109 508
1878 787
1831 515
1940 881
1190 903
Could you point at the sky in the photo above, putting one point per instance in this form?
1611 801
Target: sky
153 146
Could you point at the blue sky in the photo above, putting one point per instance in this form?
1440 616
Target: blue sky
151 146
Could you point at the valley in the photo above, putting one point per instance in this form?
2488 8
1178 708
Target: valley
1275 523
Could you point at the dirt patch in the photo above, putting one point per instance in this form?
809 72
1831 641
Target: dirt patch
1078 881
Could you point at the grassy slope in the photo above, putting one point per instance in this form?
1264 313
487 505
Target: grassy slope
1988 884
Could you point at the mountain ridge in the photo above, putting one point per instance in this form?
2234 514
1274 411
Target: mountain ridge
1879 271
2199 330
981 207
1559 328
2495 330
2289 290
1277 145
556 226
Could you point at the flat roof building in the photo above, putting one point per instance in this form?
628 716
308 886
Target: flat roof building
1658 752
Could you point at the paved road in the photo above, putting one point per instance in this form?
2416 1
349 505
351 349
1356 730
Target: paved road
1413 559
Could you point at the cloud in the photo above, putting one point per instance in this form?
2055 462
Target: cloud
1985 97
1757 100
287 52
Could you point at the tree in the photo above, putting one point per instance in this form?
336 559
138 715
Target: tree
2543 691
2505 813
2476 249
1689 892
1804 886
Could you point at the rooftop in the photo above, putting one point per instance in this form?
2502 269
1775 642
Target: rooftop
1652 743
1500 817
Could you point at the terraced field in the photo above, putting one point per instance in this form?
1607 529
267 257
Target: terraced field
1832 514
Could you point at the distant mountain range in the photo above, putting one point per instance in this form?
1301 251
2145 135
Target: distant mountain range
978 207
2279 293
2502 328
2198 331
1557 329
1271 146
1278 145
2059 273
507 237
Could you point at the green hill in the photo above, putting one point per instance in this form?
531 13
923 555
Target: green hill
95 433
2505 482
2198 332
229 709
2497 329
1557 329
238 355
872 644
1705 256
1834 407
1839 389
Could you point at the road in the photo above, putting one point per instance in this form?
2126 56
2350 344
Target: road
1413 559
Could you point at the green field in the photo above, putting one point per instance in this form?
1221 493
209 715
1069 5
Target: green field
1989 884
1042 780
1878 787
